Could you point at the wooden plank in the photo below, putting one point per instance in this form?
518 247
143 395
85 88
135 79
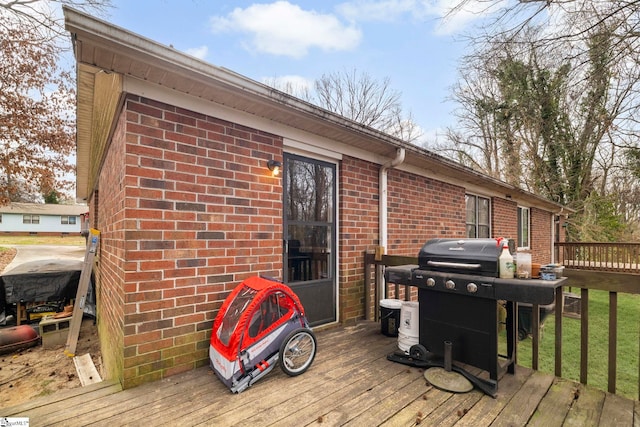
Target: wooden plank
419 408
350 382
452 410
535 345
40 415
280 390
488 408
604 280
369 397
616 411
87 372
613 341
81 293
586 408
584 335
69 397
389 406
114 408
523 404
277 387
558 334
554 406
312 404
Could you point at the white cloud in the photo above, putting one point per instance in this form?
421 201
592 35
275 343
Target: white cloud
298 86
293 81
464 17
281 28
199 52
386 10
395 10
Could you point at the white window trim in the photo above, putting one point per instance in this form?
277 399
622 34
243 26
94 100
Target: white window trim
488 213
520 211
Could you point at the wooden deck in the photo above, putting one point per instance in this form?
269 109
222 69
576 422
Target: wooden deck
350 383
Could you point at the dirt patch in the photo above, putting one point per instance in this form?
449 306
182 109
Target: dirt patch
35 371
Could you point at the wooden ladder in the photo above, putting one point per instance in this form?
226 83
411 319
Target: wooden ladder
81 294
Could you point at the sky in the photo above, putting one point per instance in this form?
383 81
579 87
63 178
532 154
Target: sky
406 41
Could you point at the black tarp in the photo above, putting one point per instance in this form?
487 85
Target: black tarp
43 281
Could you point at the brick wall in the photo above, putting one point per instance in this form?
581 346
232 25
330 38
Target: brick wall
107 213
541 223
505 224
188 209
358 189
504 219
202 214
421 209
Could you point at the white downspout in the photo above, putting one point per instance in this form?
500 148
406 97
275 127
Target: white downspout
382 219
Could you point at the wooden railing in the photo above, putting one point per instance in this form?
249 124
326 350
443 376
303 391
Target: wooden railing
584 279
618 257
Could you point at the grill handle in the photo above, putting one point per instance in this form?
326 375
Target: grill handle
441 264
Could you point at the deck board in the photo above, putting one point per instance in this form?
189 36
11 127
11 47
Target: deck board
351 383
553 408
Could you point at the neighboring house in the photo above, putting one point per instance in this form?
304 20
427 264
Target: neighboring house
41 219
174 160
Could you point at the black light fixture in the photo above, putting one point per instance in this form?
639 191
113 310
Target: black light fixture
274 166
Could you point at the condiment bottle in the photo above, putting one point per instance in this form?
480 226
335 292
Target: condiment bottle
505 261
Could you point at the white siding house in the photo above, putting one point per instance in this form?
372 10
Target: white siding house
35 218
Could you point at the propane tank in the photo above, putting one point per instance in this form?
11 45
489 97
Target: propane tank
506 261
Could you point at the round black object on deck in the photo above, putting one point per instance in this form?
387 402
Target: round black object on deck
448 380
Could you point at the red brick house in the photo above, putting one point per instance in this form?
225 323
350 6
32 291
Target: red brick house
174 160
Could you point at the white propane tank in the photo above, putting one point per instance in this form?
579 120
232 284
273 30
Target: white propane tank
506 261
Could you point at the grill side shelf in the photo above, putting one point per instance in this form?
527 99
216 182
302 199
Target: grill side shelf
532 291
400 275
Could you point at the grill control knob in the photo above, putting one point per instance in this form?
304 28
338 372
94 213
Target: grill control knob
431 282
472 288
450 284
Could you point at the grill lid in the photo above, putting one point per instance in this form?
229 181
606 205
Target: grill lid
469 256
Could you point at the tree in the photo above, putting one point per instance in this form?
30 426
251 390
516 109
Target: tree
37 118
361 98
37 100
40 16
560 99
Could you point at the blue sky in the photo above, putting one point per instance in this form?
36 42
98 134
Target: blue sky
404 40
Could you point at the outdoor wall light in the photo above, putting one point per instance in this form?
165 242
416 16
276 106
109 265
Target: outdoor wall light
274 166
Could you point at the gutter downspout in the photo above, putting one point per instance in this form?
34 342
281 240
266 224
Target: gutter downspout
400 154
382 216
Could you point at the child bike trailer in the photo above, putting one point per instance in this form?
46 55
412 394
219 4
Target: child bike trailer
261 322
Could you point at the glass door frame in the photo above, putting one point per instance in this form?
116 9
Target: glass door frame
332 268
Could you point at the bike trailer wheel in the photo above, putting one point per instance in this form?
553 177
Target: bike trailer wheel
298 351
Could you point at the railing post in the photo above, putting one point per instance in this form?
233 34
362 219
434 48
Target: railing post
613 339
535 345
558 343
367 286
584 334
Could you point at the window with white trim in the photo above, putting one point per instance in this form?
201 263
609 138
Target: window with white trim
477 216
66 219
30 219
524 230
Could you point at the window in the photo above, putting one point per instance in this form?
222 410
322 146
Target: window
30 219
67 219
523 227
477 216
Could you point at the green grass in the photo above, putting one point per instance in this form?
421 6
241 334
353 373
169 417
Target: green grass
43 240
598 348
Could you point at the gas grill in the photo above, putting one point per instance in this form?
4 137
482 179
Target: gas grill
458 294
